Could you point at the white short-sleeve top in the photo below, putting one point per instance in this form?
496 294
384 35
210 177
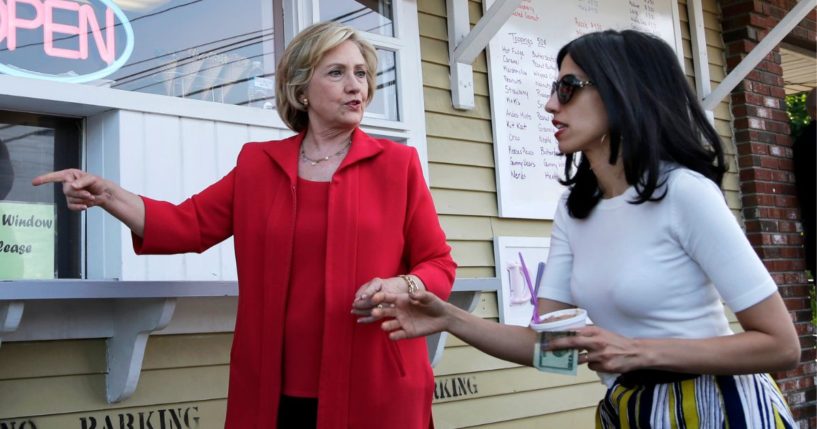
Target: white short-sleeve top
657 269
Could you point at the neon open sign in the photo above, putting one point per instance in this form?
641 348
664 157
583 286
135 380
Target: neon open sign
65 30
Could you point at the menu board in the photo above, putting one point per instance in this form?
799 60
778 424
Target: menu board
522 67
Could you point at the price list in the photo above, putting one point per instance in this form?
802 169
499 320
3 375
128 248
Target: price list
522 68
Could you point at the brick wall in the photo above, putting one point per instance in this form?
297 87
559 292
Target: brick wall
770 207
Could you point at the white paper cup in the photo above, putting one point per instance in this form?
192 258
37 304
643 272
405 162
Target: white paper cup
557 320
557 324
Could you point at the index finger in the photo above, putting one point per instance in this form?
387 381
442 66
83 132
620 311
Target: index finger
53 177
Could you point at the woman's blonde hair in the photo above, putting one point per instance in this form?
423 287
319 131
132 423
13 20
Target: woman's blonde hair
298 63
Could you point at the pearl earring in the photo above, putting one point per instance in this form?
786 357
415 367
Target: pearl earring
305 102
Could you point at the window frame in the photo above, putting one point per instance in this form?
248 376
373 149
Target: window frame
410 127
69 99
109 307
51 98
72 241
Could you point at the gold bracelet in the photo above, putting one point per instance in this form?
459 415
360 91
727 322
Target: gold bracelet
412 285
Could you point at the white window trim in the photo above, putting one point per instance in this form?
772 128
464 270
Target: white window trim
411 127
58 98
122 312
76 100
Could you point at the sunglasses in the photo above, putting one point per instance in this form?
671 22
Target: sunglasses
566 86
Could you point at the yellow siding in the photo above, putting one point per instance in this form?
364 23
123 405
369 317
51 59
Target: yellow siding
54 359
462 178
581 418
200 415
520 405
717 71
57 383
474 272
476 154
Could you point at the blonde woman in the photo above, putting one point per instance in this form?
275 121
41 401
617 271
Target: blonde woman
321 221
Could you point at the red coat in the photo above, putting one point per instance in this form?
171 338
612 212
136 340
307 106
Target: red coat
382 222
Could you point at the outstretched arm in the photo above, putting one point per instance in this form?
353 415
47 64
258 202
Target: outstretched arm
768 343
424 313
83 190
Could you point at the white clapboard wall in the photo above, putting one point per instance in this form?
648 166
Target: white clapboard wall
168 158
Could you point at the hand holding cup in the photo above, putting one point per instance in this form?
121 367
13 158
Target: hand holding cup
554 325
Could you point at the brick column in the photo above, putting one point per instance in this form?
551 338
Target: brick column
770 206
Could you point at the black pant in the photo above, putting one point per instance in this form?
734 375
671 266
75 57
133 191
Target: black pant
297 413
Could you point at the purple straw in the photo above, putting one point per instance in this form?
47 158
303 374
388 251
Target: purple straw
533 300
526 274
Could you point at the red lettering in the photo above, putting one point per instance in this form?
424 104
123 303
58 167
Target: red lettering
4 23
86 22
14 22
50 27
87 18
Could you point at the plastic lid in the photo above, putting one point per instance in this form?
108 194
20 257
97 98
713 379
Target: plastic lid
561 320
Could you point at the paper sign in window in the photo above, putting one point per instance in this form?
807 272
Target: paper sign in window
27 235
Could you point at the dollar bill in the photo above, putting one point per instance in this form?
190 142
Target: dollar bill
556 361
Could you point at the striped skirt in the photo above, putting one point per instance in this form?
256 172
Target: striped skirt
751 401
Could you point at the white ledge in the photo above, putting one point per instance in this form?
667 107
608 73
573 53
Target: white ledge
102 289
10 314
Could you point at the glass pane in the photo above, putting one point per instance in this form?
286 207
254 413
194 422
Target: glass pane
372 16
35 219
211 50
384 104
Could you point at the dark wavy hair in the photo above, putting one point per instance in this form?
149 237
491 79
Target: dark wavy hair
654 116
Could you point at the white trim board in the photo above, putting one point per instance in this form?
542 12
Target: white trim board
507 250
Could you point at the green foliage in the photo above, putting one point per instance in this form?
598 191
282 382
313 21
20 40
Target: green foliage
798 114
813 295
798 119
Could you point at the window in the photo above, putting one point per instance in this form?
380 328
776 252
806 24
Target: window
385 103
391 26
374 18
371 16
214 50
31 145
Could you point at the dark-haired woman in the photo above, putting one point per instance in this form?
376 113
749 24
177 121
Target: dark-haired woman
643 240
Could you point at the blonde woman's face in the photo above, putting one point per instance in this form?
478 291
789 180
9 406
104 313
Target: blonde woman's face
339 89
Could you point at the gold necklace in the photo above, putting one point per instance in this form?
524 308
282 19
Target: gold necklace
311 161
